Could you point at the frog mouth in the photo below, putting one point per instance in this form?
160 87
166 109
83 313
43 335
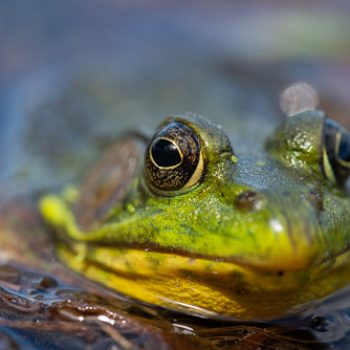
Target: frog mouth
147 250
136 262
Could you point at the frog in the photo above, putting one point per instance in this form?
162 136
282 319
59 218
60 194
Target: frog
189 221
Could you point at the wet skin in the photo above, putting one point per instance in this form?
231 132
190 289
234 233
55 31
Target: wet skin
184 222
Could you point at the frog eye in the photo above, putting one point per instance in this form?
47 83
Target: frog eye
336 152
173 159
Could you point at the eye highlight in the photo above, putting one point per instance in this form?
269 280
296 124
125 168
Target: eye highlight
173 159
336 154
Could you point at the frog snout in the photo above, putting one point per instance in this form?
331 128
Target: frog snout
275 229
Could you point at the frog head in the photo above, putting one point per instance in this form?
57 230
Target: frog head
183 222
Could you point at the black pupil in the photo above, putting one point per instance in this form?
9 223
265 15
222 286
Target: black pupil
344 148
165 153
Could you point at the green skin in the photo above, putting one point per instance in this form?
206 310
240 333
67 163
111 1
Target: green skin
268 228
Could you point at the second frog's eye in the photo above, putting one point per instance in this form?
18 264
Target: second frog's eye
336 154
173 159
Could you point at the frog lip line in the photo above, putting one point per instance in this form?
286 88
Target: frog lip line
157 249
269 268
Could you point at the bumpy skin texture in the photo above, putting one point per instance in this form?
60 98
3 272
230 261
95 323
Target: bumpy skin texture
261 232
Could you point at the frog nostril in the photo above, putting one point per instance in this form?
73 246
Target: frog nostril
248 200
315 199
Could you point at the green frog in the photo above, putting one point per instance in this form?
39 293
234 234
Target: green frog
190 221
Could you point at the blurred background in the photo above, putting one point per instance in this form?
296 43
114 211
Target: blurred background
75 74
